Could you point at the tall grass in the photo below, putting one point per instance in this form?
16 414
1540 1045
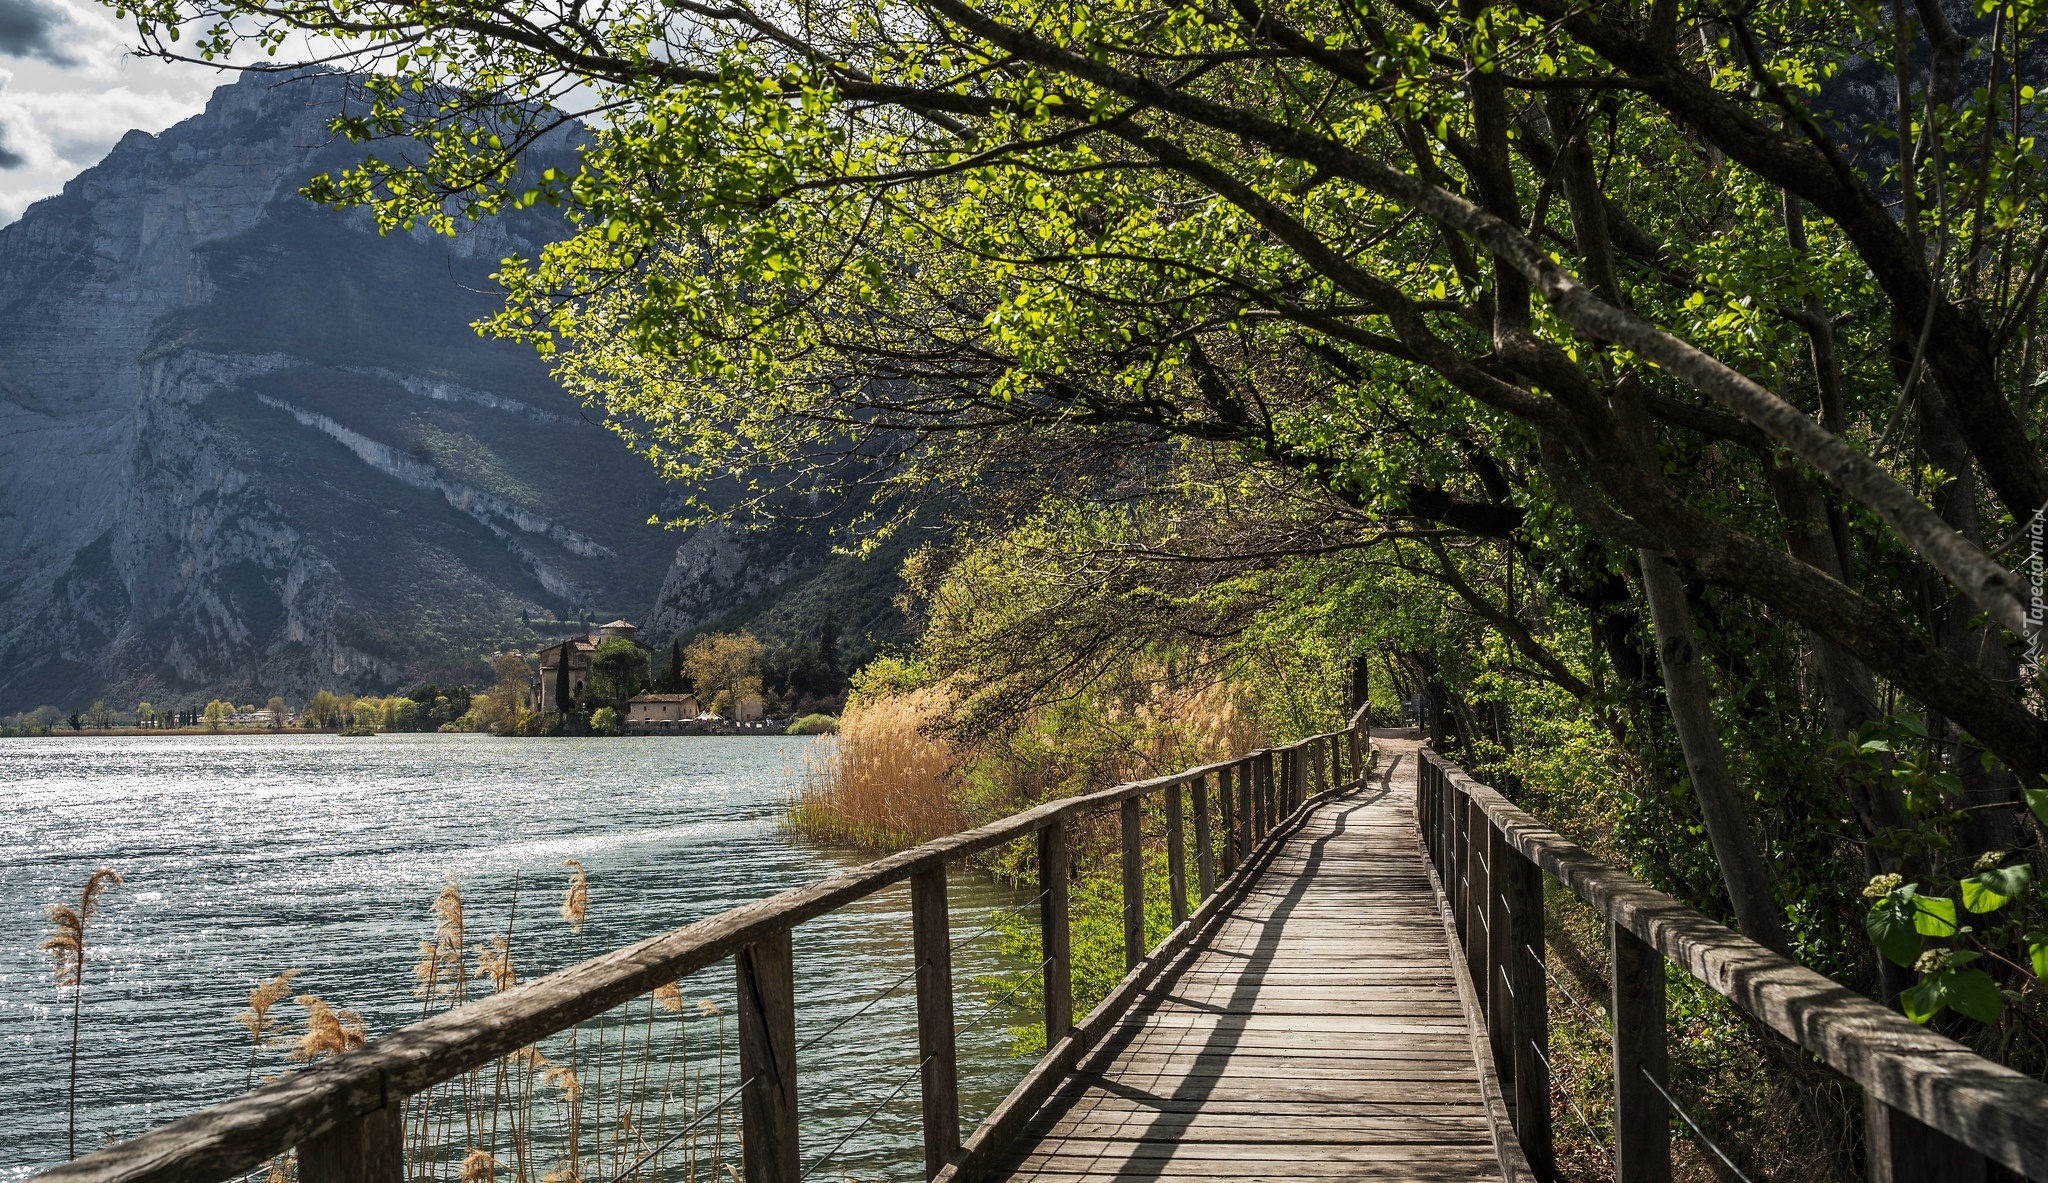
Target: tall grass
885 782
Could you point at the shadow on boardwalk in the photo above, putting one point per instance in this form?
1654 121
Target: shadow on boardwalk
1314 1030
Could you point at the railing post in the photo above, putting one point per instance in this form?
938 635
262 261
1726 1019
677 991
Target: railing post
1134 886
1454 818
1315 763
1902 1149
932 943
1477 871
1247 793
1524 893
366 1149
1226 796
766 983
1500 954
1205 840
1642 1123
1052 930
1258 768
1176 855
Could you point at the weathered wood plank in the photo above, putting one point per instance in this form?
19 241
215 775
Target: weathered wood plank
1054 936
938 1070
367 1149
1176 855
765 984
1205 840
1134 884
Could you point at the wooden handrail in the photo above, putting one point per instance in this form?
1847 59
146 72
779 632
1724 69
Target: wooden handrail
346 1106
1935 1108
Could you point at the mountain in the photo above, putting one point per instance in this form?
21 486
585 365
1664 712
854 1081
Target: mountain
250 447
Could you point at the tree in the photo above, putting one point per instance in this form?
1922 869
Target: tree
322 710
618 670
75 721
98 715
511 675
217 714
66 945
145 715
1634 310
673 680
723 667
828 642
278 712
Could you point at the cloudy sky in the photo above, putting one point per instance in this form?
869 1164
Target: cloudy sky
69 89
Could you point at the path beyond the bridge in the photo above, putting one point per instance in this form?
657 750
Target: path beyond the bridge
1316 1030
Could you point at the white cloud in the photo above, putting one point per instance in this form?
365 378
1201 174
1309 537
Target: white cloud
65 104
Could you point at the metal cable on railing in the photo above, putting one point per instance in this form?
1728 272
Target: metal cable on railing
1694 1126
867 1006
703 1115
996 920
1574 1105
910 973
873 1113
1002 998
1591 1016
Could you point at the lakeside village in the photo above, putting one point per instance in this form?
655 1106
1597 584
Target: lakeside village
606 682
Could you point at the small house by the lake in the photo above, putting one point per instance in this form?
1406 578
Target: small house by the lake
656 711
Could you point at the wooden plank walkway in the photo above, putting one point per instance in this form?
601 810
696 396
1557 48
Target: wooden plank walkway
1316 1030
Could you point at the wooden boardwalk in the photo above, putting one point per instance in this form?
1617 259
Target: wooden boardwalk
1317 1029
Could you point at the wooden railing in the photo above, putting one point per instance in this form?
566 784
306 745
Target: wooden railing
1934 1110
344 1115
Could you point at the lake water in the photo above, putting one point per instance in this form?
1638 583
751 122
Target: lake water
244 856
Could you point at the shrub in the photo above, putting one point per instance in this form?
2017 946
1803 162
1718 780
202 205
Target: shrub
815 725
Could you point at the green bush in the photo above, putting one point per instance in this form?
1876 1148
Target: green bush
604 721
815 725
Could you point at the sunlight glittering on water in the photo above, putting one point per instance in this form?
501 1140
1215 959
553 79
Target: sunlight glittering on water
244 856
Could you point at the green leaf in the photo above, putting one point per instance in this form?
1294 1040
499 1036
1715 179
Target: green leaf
1934 916
2037 800
1972 992
1924 1001
2039 952
1890 924
1988 891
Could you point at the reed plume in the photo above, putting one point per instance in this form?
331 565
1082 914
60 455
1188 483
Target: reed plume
256 1020
329 1032
494 962
66 946
576 901
479 1167
670 997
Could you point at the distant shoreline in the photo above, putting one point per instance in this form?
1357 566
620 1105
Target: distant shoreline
202 732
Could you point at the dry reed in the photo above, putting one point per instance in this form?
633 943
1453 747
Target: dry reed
66 946
884 782
627 1097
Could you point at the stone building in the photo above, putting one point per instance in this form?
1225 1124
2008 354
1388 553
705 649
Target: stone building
658 711
577 652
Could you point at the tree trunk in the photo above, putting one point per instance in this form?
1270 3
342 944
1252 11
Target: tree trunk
1686 690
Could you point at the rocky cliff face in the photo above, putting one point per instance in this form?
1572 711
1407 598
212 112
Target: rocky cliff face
247 446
